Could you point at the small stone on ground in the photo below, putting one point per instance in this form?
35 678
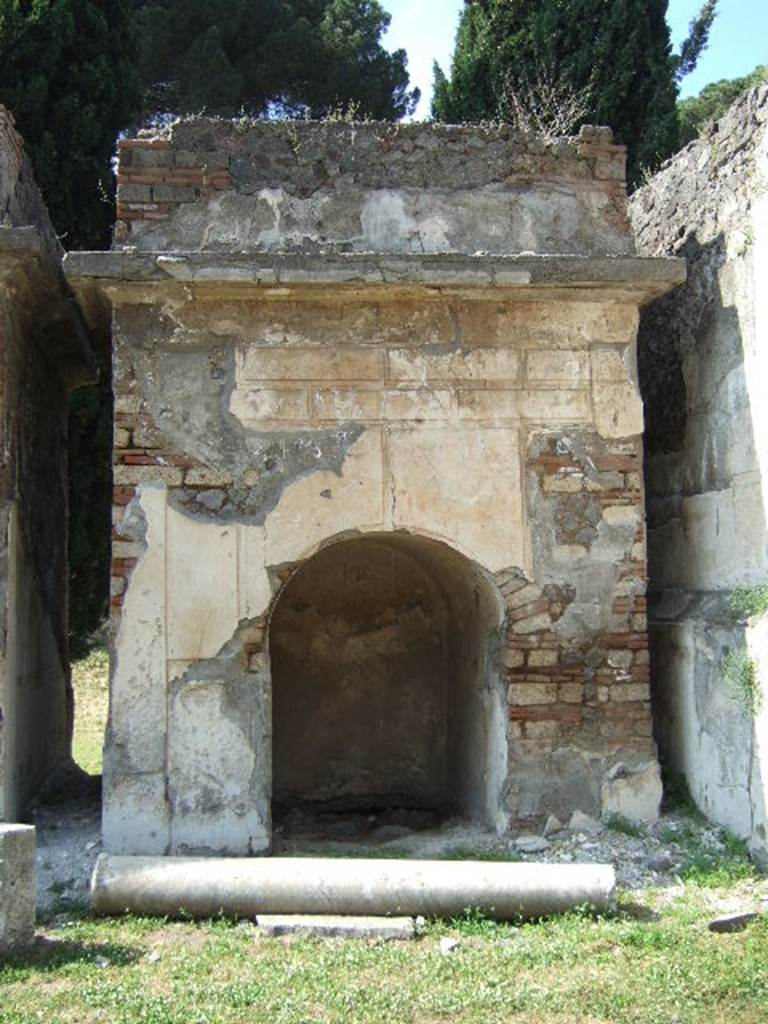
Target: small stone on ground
531 844
732 923
449 945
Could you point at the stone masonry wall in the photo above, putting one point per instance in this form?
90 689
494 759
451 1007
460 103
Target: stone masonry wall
227 186
35 694
703 353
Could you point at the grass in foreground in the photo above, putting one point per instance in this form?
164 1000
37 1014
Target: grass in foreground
90 681
621 970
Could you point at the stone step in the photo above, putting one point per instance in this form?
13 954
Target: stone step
336 926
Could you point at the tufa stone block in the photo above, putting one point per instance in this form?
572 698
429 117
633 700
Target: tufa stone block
18 887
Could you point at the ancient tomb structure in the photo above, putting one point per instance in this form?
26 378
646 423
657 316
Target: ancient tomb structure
704 363
378 497
44 352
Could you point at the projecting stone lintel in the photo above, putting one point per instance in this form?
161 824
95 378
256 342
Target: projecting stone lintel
610 278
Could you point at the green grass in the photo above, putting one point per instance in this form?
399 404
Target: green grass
707 865
619 823
595 970
90 681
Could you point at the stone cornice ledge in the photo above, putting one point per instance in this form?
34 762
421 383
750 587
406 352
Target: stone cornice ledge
30 267
632 277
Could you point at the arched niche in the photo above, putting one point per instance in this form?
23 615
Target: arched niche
385 686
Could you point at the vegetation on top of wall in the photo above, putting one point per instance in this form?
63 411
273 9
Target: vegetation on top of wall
614 58
713 101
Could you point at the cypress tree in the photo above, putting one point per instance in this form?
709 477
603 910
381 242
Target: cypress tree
616 53
67 73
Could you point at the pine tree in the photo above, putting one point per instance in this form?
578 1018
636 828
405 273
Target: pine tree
615 53
303 56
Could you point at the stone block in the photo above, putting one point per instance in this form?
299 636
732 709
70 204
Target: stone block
512 658
203 476
321 364
18 890
533 624
323 504
171 476
628 693
134 194
550 406
608 365
346 404
618 410
478 364
336 926
566 483
137 716
634 792
559 367
532 693
426 404
216 766
135 811
252 404
545 731
489 405
441 477
543 659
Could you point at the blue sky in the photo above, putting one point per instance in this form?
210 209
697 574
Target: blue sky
738 42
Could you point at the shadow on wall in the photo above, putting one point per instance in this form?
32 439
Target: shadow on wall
707 495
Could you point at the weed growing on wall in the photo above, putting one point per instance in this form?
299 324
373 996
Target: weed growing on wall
740 670
749 602
742 678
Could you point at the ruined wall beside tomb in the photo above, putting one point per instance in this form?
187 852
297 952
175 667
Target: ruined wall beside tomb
703 355
42 353
457 436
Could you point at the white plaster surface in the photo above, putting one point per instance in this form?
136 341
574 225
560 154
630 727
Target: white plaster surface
464 485
137 688
202 586
212 764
